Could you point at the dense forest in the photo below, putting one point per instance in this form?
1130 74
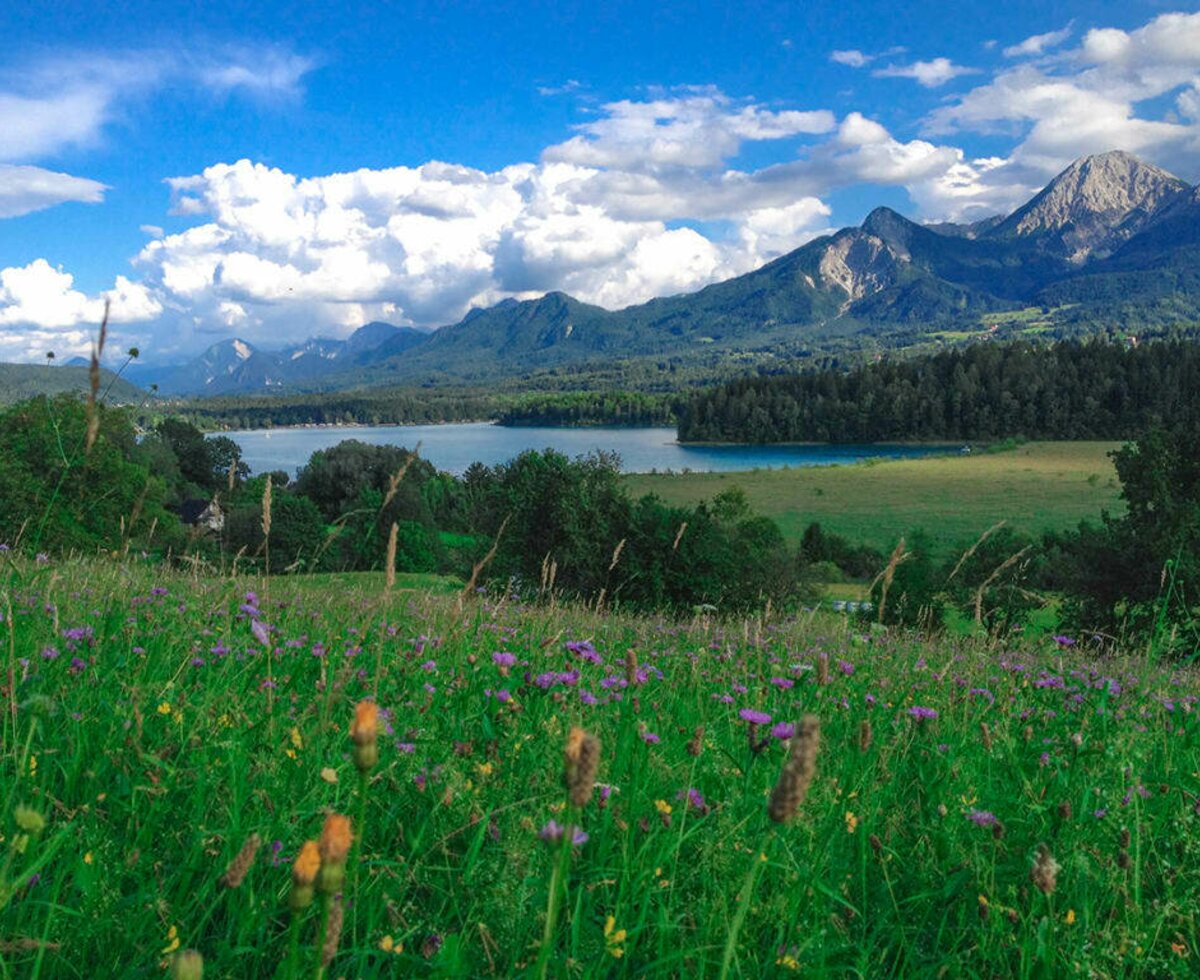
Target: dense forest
1069 390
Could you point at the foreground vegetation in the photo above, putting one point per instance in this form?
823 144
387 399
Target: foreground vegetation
992 809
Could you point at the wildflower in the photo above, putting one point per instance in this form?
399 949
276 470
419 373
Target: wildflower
783 731
236 871
553 832
582 764
334 847
981 818
650 738
798 771
663 807
851 822
922 713
1064 641
1070 917
388 945
261 631
613 938
173 941
304 873
754 717
364 732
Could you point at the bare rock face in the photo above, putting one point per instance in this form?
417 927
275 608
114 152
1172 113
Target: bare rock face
1094 206
857 263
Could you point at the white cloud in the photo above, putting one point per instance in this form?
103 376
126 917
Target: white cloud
54 103
929 74
25 189
41 310
853 58
1088 101
1038 43
696 130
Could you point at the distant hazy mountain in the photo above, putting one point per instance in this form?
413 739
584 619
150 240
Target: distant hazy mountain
20 381
1110 240
236 366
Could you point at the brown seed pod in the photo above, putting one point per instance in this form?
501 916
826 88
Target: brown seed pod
1044 873
235 873
582 764
797 775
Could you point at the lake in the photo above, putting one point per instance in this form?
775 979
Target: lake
453 447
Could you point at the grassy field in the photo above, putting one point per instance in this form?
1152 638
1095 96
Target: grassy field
1036 487
976 810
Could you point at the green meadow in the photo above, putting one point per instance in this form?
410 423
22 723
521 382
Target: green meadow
1036 487
1017 808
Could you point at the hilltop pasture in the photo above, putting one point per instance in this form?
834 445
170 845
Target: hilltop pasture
1035 487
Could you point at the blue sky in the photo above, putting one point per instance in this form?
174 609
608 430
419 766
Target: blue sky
252 170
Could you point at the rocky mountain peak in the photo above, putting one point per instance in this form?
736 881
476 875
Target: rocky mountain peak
1094 205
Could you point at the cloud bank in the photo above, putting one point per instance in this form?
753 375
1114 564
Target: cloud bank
645 197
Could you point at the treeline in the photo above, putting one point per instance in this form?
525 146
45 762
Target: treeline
591 408
552 525
428 407
389 407
1069 390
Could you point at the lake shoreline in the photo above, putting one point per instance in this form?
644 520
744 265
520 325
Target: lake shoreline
454 446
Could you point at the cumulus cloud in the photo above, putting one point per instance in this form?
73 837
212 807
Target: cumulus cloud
41 310
697 130
1089 100
929 74
1038 43
25 189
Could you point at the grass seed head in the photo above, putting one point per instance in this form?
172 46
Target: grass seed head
696 745
865 735
797 775
235 873
985 734
333 931
187 964
1044 873
582 764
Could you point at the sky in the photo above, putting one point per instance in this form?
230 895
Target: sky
252 170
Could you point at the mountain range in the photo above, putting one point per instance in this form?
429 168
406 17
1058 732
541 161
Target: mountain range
1112 241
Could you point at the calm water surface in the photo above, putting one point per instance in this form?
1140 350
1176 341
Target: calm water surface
455 447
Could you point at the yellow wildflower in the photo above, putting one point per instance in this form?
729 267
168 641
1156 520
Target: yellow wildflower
484 768
87 858
662 806
33 765
1070 917
164 708
297 738
851 822
788 962
172 940
614 938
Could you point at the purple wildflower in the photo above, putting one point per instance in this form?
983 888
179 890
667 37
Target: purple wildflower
921 713
650 738
754 717
981 818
